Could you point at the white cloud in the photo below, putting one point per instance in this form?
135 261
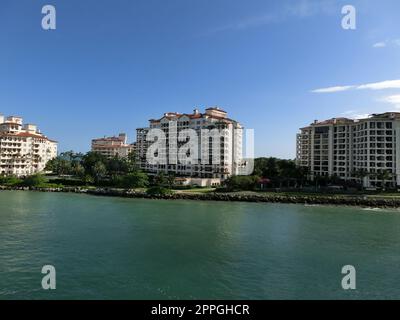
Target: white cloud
394 100
355 114
299 9
348 112
333 89
361 116
308 8
388 84
379 45
387 43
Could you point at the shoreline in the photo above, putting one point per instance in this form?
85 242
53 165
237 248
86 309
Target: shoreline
336 200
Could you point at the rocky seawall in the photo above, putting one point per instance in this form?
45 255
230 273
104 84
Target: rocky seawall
361 201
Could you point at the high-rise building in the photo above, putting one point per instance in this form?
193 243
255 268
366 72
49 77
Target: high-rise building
366 150
216 157
113 146
23 149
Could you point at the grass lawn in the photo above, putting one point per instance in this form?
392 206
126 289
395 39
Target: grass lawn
196 190
376 195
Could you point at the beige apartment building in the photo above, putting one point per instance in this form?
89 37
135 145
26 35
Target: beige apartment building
358 150
216 159
23 149
111 147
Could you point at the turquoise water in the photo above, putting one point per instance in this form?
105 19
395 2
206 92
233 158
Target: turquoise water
112 248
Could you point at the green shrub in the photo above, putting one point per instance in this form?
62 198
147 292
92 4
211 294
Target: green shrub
222 189
184 187
135 179
68 182
156 191
241 183
36 180
10 181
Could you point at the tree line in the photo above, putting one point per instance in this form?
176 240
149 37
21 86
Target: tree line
77 169
94 168
270 173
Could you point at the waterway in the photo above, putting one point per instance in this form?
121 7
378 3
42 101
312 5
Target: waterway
117 248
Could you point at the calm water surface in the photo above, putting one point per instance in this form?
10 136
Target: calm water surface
112 248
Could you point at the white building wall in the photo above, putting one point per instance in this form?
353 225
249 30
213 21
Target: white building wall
23 150
226 155
370 145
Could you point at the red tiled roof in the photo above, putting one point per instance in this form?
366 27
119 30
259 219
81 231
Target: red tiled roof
14 123
195 116
334 120
216 109
191 116
110 147
25 135
31 135
108 139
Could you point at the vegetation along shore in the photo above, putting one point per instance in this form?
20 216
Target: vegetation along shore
370 201
273 181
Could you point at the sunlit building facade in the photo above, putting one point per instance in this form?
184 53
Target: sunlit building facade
24 150
224 157
111 147
367 149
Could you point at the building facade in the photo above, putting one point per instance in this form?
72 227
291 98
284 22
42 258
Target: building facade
366 150
23 149
111 147
216 157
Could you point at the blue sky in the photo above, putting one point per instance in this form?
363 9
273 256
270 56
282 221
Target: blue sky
112 65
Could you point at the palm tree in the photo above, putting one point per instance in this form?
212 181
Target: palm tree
360 174
171 180
99 171
384 175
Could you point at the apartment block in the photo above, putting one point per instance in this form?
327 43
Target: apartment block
23 149
216 158
111 147
363 149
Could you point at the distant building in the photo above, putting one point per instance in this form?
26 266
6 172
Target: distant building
113 146
23 149
223 157
353 149
197 182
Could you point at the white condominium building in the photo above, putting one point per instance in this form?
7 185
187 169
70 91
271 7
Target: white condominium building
366 150
23 149
216 157
113 146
